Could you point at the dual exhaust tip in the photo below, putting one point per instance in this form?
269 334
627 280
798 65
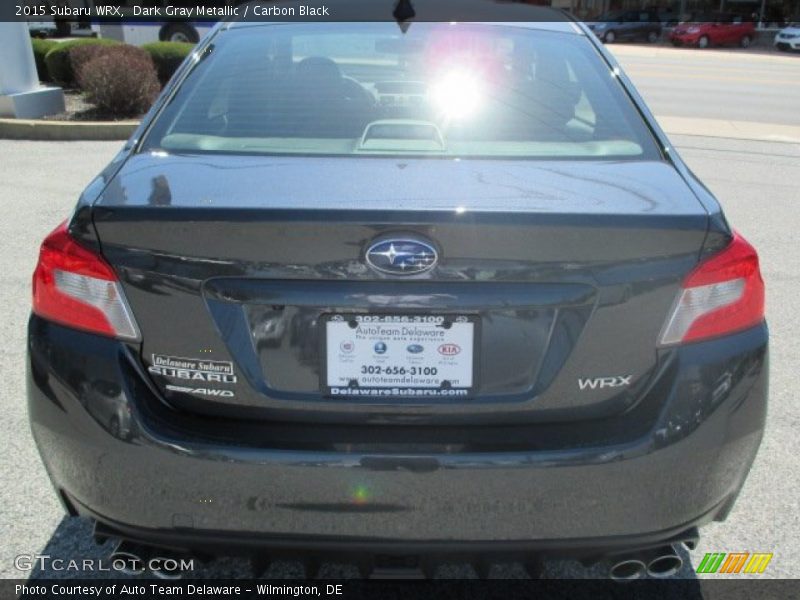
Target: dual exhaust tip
129 558
133 559
656 562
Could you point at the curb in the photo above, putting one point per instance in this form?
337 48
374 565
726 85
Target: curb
754 53
66 131
730 129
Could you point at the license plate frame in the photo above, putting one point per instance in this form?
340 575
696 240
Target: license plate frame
407 392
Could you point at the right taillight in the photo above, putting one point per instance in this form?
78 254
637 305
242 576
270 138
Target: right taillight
722 295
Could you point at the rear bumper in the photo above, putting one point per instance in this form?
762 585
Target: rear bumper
150 483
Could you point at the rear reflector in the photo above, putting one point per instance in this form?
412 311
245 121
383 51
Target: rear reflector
724 294
74 286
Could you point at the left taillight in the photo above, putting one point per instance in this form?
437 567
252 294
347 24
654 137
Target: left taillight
75 286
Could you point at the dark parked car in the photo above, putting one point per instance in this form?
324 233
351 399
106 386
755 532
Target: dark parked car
628 25
42 29
715 30
427 293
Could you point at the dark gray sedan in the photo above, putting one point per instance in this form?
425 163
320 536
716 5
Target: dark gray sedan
376 291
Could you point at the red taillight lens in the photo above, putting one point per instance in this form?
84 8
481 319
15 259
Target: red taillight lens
76 287
724 294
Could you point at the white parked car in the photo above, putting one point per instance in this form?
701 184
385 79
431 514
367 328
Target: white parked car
788 38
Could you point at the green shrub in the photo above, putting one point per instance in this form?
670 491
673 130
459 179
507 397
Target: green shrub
168 56
57 59
80 55
121 82
40 49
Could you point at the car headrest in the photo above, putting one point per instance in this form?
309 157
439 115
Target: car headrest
319 70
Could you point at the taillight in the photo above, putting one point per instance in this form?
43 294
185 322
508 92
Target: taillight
75 287
722 295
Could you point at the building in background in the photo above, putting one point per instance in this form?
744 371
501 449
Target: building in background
769 13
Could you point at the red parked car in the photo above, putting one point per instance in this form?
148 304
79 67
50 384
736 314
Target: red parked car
716 30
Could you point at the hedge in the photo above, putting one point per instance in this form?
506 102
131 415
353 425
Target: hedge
121 81
80 55
168 56
59 66
40 49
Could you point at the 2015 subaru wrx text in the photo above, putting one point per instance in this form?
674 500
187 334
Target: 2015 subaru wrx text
357 290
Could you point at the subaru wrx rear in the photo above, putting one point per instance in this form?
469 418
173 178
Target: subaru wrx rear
351 288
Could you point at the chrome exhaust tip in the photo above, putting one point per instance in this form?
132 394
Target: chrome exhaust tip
627 569
129 558
664 562
162 573
166 564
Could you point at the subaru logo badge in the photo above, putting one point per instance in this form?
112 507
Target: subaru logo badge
402 256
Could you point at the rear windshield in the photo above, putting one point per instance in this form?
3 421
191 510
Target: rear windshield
457 90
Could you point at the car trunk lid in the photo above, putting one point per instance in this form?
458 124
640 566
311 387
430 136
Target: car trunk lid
234 266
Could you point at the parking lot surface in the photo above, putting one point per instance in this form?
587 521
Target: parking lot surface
721 83
757 182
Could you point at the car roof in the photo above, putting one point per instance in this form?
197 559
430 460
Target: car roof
482 11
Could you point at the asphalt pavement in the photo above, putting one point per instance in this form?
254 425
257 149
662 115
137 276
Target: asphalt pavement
757 182
720 83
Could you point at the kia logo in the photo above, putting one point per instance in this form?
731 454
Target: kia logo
449 349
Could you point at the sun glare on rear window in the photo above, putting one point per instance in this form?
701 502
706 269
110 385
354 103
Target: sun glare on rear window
461 90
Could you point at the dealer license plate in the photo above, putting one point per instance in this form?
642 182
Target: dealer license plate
414 356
